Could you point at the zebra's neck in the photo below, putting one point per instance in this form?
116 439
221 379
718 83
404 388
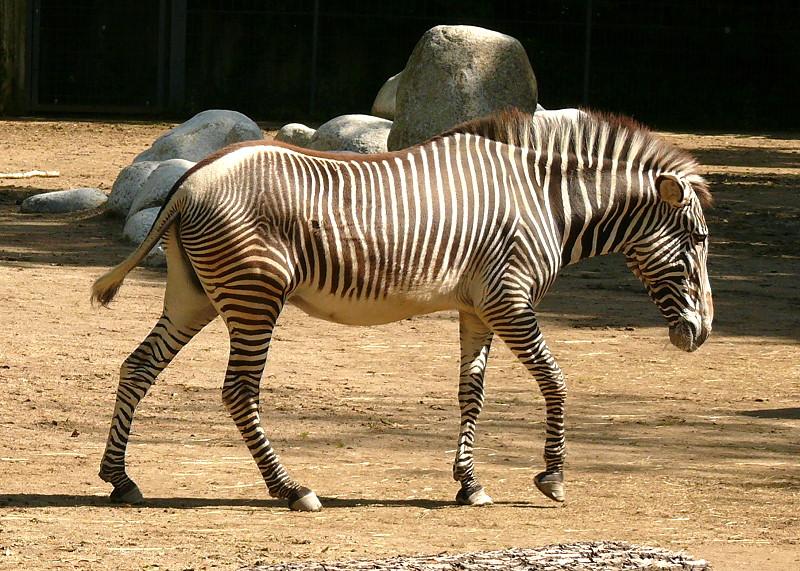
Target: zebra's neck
597 178
596 169
601 209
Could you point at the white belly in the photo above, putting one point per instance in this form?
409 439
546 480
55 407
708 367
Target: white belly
352 311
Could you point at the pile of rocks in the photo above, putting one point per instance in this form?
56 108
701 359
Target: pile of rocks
454 74
142 187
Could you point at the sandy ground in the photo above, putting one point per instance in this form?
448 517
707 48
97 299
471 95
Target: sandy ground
695 452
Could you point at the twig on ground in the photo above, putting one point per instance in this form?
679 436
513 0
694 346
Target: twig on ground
29 174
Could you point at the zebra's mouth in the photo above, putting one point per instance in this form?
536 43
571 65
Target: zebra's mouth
687 335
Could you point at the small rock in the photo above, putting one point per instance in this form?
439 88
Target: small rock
567 114
386 101
295 134
64 201
352 133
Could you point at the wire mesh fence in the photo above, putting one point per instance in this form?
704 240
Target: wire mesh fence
672 63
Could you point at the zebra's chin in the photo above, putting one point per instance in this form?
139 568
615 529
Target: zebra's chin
687 335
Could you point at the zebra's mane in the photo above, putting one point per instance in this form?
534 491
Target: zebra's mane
582 131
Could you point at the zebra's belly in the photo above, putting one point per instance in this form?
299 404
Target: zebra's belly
355 311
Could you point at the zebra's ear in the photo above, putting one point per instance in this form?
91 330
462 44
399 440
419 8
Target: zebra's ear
672 190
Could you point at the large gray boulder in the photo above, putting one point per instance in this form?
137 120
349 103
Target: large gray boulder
457 73
202 135
352 133
158 184
61 201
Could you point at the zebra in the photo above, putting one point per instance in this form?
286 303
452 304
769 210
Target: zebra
479 219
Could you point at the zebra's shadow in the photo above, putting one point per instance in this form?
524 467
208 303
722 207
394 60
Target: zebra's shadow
778 413
74 500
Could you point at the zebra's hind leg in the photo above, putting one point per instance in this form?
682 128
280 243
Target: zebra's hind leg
250 339
476 340
519 329
174 329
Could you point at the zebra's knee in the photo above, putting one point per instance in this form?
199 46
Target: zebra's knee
126 369
237 397
140 371
229 400
134 383
553 387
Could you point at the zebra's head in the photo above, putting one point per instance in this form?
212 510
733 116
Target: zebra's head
671 259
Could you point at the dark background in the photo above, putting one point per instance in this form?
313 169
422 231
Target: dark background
703 64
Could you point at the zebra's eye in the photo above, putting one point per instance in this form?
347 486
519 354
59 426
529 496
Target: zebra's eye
699 238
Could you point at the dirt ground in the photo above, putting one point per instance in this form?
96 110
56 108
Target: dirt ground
695 452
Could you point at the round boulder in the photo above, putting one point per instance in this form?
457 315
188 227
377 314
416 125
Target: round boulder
202 135
295 134
568 114
458 73
158 184
127 185
386 101
352 133
61 201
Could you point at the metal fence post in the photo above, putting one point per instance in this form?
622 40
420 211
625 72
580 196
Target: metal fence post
312 102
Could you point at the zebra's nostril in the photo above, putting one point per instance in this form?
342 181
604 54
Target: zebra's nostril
684 335
689 334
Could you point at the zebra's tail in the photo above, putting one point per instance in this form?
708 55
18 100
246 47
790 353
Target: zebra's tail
106 286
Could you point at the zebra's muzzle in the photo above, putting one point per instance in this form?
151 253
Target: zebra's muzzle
688 334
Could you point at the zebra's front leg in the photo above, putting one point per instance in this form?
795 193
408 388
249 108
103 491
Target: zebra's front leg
476 339
240 395
529 346
554 389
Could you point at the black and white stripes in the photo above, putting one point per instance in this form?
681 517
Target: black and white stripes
479 219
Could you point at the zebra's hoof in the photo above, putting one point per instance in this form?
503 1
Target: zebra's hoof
476 498
551 484
127 495
304 500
